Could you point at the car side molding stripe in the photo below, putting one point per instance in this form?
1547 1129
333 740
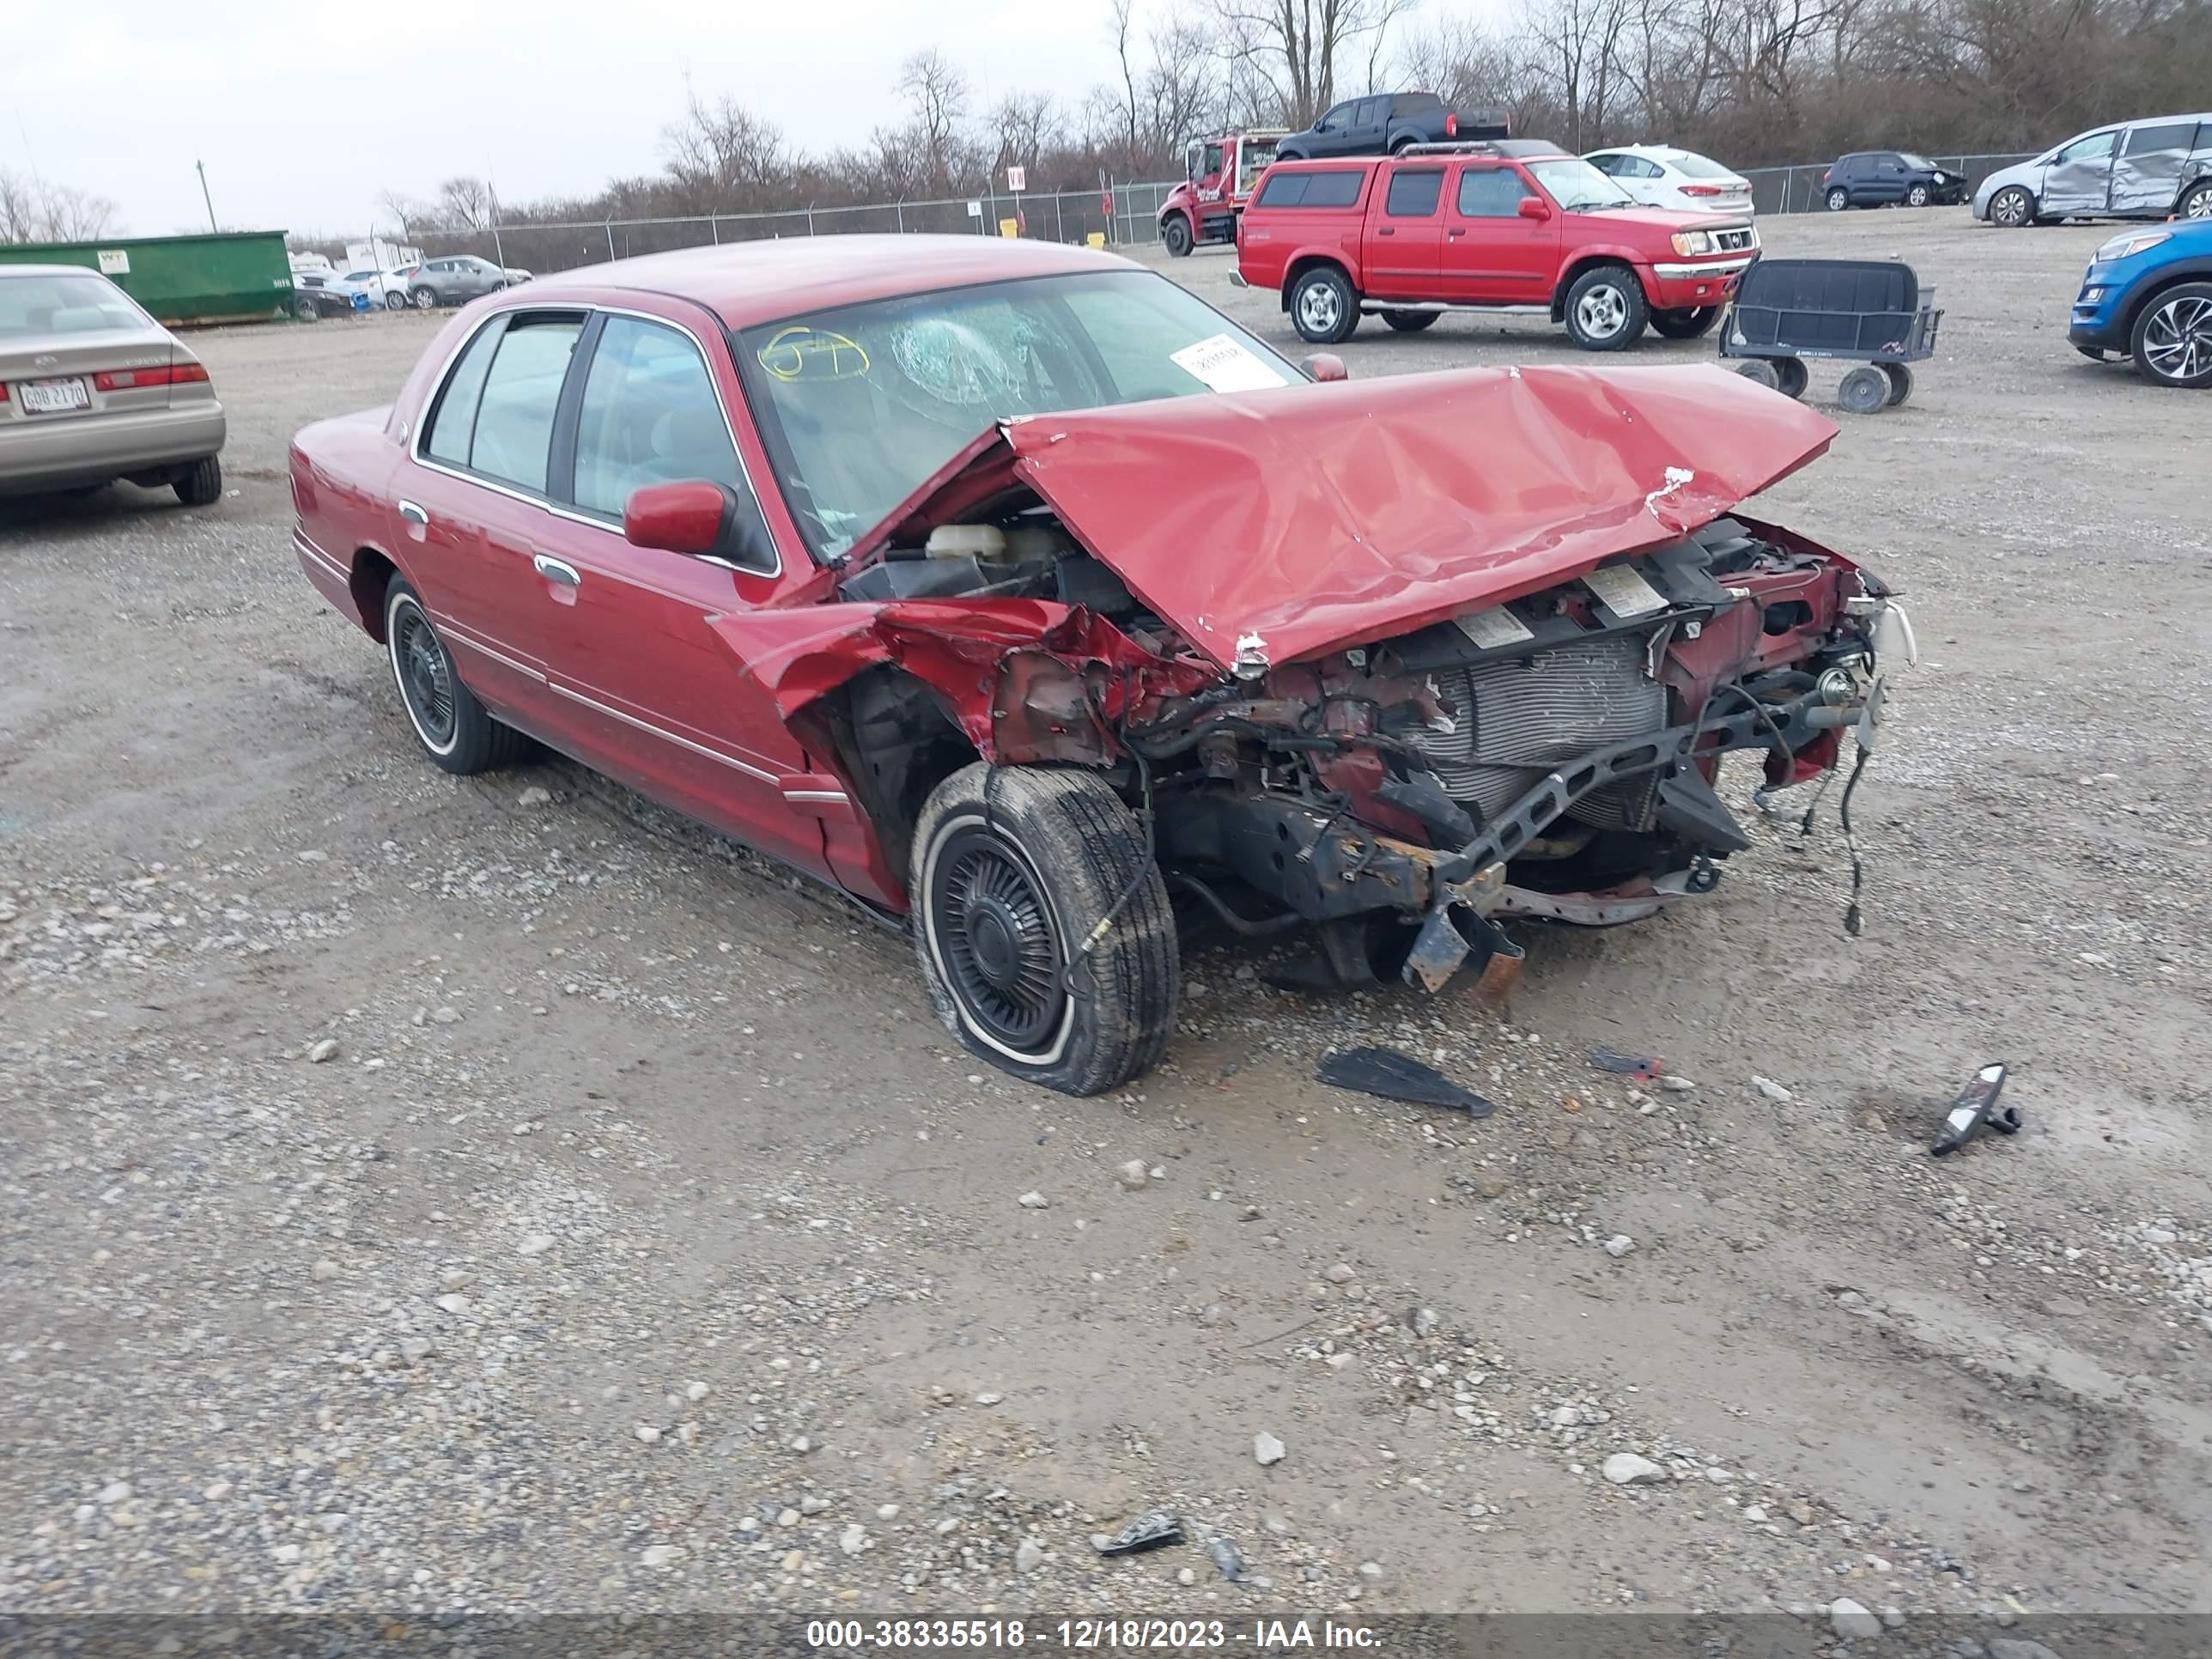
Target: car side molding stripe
661 732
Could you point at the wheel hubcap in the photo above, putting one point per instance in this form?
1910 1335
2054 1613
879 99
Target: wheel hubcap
2178 339
1601 312
1317 308
998 947
2011 210
426 676
2199 206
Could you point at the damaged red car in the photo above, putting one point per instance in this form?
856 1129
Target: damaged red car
1019 594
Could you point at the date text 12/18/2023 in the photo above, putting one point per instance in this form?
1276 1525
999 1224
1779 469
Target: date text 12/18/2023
1259 1636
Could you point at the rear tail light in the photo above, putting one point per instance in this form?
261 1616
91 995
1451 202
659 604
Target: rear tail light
1451 127
1701 190
130 379
3 392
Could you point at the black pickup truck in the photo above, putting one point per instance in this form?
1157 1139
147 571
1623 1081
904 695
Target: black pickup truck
1385 123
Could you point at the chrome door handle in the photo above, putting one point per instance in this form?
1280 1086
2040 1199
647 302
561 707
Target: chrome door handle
554 571
408 510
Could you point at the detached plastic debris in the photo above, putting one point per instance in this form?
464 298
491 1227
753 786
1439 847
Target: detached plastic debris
1395 1076
1153 1530
1223 1548
1626 1065
1976 1109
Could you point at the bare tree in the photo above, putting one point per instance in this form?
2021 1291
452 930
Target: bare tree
1022 125
466 203
936 91
724 155
1301 44
1120 28
32 210
19 210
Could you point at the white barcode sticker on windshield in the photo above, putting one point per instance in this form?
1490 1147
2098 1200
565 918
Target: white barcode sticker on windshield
1493 628
1625 593
1226 365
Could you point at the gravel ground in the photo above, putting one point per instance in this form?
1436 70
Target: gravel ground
421 1195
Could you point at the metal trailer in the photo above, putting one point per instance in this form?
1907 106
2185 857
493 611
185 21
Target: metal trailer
230 276
1872 312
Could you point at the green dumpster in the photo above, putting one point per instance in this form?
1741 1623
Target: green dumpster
233 276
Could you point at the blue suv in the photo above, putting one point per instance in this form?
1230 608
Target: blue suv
2148 293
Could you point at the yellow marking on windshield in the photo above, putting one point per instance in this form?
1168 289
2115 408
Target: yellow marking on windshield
803 352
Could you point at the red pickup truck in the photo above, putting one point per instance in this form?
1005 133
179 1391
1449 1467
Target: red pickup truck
1511 227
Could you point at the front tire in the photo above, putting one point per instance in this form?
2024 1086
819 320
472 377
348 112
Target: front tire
1916 197
1014 868
1323 308
1839 199
1689 323
306 310
394 300
1175 236
1605 310
1900 382
200 484
455 730
1864 390
2012 209
2172 337
1410 322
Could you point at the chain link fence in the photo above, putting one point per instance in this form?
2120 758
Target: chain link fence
1799 190
1067 216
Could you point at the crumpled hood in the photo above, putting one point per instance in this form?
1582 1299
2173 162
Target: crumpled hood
1321 516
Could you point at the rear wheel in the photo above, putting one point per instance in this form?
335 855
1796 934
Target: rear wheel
394 300
1900 382
306 310
1605 309
1760 371
1864 390
2197 204
1839 199
2012 208
456 730
1410 322
200 484
1323 308
2173 336
1687 323
1014 869
1175 236
424 299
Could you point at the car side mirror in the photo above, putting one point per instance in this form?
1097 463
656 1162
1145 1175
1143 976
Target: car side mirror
1325 366
1535 206
694 516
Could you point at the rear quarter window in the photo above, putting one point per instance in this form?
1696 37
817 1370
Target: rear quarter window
1335 189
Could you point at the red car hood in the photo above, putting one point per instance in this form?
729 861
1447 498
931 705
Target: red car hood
1319 516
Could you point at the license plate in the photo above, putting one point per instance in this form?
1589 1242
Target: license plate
52 397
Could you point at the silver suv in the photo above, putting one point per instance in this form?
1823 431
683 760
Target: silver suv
452 281
2135 170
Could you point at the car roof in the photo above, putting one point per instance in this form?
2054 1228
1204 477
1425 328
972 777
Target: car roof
748 282
13 270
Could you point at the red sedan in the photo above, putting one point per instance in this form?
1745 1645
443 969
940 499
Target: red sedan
1011 589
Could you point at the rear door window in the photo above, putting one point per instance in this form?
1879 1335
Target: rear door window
514 434
1371 112
1414 195
2172 135
454 419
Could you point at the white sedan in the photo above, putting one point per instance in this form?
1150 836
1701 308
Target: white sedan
1662 176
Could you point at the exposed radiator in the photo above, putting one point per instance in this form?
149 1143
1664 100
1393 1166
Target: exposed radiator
1518 720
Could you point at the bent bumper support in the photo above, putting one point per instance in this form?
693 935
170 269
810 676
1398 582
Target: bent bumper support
1458 924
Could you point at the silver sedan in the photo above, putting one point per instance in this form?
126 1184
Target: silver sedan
91 390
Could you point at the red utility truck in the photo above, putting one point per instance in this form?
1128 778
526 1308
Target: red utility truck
1218 176
1512 226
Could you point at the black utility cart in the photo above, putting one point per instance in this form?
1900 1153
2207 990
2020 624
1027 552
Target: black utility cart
1871 311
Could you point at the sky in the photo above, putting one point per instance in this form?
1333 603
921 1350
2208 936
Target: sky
305 115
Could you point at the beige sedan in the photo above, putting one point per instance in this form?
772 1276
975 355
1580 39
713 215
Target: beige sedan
91 390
